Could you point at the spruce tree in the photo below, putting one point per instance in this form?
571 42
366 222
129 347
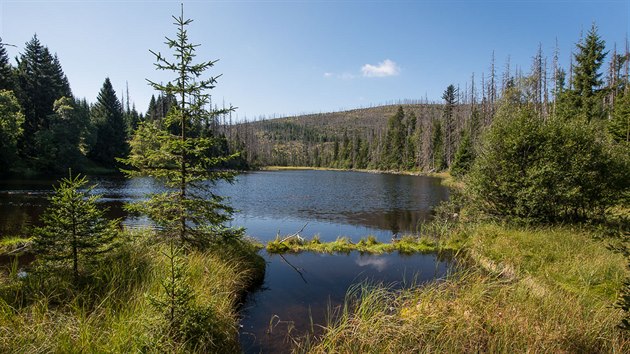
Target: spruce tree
619 125
111 137
6 71
449 97
40 82
438 160
394 146
464 156
586 75
177 155
75 232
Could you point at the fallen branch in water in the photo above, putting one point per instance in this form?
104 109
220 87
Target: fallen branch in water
296 235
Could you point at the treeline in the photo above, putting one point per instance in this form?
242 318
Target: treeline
434 137
45 129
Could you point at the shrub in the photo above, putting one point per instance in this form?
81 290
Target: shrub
548 170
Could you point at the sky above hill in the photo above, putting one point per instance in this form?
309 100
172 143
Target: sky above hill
291 57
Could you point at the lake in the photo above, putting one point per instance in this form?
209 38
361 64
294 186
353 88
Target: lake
298 289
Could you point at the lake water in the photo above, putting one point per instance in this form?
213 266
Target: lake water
298 289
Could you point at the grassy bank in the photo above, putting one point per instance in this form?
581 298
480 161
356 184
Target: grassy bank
405 245
548 289
114 313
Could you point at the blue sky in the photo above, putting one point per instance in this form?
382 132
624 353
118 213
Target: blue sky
290 57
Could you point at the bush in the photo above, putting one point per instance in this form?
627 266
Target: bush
548 170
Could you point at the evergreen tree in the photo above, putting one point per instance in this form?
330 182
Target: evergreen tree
395 140
192 212
132 119
111 137
75 233
438 160
152 110
11 119
410 144
464 156
619 126
6 71
40 82
449 97
586 75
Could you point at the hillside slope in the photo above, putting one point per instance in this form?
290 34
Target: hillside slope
358 138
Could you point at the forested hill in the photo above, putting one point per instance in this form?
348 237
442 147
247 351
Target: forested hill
383 137
448 135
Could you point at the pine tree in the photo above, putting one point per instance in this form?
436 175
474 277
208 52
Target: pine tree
449 97
192 212
111 137
40 82
152 110
75 232
464 156
394 141
586 75
6 71
438 160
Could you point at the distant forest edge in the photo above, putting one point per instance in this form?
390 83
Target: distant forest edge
429 136
44 129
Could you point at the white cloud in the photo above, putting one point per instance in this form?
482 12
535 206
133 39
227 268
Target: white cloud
328 74
377 263
383 69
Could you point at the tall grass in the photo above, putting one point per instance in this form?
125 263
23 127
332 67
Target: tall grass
113 313
533 290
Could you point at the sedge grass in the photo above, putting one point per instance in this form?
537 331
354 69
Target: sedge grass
113 314
408 244
545 290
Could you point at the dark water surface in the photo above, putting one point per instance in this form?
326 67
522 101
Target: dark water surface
301 290
329 203
333 203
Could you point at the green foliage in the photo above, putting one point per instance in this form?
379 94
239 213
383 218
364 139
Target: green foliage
586 76
107 118
6 71
549 170
58 145
448 115
178 153
464 156
619 125
75 234
395 141
40 82
11 119
438 159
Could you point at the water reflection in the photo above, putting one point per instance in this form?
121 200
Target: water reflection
289 303
334 203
